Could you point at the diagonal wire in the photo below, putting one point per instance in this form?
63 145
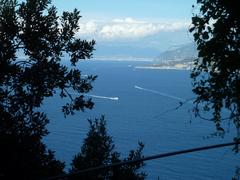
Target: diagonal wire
158 156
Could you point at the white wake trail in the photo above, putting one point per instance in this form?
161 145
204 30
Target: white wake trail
97 96
103 97
160 93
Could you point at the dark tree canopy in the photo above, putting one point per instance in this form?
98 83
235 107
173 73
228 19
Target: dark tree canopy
216 73
34 29
98 149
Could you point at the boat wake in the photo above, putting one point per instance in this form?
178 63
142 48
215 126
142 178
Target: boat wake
103 97
160 93
97 96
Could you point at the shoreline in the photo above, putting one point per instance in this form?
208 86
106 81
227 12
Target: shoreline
162 68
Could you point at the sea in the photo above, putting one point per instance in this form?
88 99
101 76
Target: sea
154 106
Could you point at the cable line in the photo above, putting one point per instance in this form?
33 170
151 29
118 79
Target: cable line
158 156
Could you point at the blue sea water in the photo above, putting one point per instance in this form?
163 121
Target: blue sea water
139 105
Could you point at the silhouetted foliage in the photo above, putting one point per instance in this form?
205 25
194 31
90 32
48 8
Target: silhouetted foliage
98 149
33 28
237 174
216 73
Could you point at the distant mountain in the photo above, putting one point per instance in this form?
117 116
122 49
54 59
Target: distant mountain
178 53
177 57
148 47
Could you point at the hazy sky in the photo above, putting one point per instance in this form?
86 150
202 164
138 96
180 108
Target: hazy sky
155 23
137 9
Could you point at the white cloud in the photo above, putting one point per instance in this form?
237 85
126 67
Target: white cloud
90 27
128 28
128 20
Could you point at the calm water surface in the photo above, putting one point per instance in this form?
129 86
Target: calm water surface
139 106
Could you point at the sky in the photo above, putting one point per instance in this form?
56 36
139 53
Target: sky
155 24
137 9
